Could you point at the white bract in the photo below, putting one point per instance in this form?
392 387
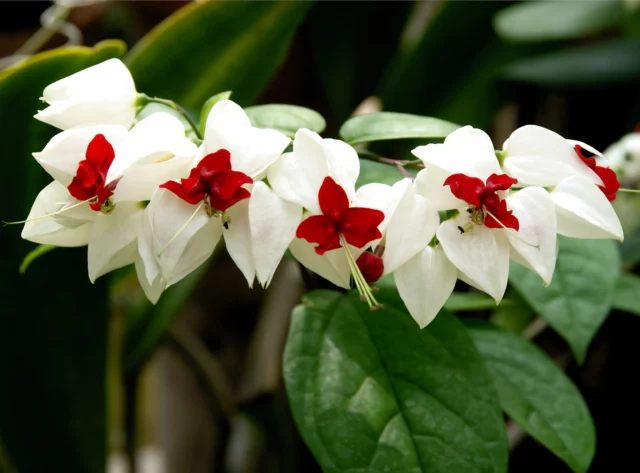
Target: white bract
479 252
184 221
110 229
104 94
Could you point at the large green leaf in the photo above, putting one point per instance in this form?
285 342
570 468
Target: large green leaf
592 65
627 295
285 118
393 126
536 394
372 171
580 296
551 20
372 392
209 47
54 321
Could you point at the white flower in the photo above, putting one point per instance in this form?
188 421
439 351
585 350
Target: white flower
221 197
490 227
103 94
85 205
582 187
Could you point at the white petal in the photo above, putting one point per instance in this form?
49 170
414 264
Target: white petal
584 145
168 216
539 157
481 253
297 176
467 150
382 197
583 211
61 229
103 94
252 149
147 255
140 181
273 227
536 213
429 183
238 239
425 282
157 138
113 240
413 225
63 153
333 265
154 290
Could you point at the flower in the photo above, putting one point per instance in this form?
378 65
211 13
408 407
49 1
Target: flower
222 196
487 227
103 94
539 157
319 176
84 205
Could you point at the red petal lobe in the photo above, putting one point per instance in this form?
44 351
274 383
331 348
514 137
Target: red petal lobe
371 266
319 229
333 199
465 188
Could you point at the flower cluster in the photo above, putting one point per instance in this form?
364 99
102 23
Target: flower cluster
142 192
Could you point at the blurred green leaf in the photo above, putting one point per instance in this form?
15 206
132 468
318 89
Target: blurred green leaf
593 65
147 324
285 118
393 126
211 46
54 321
352 54
630 248
370 391
581 294
208 105
372 171
551 20
536 394
627 295
466 301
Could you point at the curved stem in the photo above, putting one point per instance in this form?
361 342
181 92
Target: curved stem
180 110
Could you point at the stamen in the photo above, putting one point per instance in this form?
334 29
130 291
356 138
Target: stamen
358 278
49 215
193 215
515 234
629 191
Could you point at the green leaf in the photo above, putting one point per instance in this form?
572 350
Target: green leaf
537 395
34 255
54 321
285 118
372 171
370 391
148 323
393 126
465 301
593 65
627 295
580 296
207 47
551 20
208 105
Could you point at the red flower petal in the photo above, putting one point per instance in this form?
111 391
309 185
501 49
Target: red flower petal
100 154
360 225
222 205
371 266
218 161
610 181
319 229
333 199
178 189
466 188
499 209
499 182
223 185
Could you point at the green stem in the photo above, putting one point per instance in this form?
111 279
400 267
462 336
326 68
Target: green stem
177 108
399 163
44 34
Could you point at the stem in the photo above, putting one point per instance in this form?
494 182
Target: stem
629 191
44 34
180 110
400 164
